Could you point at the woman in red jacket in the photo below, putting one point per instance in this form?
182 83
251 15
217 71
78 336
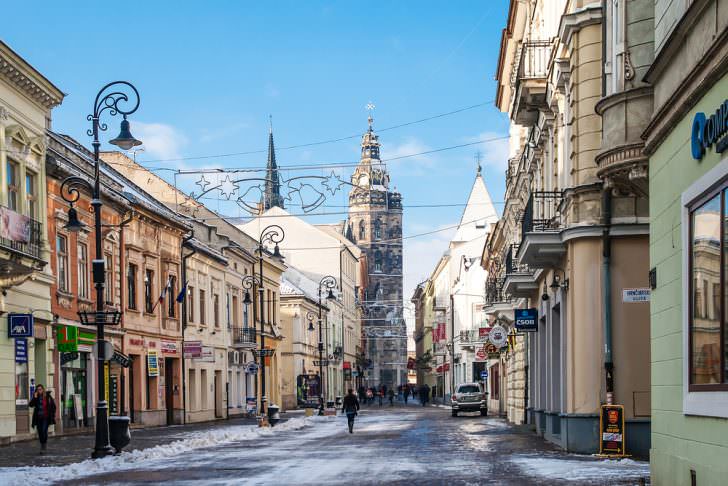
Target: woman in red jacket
44 414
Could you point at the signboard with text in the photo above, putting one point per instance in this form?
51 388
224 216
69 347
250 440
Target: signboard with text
21 350
192 349
152 363
611 430
635 295
526 320
20 325
67 339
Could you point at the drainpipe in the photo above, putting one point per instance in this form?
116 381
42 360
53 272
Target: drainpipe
185 240
607 292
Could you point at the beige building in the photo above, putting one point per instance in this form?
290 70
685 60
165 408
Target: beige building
581 245
26 101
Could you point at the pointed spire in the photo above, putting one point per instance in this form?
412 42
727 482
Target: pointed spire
272 196
477 161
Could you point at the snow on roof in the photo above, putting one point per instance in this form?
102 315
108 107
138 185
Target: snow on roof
296 283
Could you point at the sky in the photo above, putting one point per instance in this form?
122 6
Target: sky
210 75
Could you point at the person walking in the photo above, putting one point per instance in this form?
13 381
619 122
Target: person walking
390 395
380 395
350 407
406 394
44 414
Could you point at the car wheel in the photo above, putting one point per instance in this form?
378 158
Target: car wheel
454 413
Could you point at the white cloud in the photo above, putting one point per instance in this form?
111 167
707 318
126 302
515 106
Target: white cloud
160 141
494 153
409 166
422 254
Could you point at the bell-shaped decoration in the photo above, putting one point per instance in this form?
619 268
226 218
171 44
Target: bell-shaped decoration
125 140
74 224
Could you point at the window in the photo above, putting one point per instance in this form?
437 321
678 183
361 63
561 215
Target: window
236 312
202 307
362 232
109 278
148 282
190 304
378 261
708 252
31 195
131 289
172 296
216 309
83 271
62 262
13 189
377 229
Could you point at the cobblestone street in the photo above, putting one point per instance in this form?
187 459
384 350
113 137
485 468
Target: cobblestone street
389 446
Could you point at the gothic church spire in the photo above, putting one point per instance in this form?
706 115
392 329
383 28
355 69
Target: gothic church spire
272 196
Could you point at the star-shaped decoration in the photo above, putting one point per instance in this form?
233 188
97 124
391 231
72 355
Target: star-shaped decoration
333 183
228 187
203 183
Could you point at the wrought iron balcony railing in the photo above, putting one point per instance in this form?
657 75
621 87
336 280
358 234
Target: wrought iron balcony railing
542 212
513 266
244 336
494 293
20 233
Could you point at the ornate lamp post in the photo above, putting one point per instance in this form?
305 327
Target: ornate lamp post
113 97
270 234
329 283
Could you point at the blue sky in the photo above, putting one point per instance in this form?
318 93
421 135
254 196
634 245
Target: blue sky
210 73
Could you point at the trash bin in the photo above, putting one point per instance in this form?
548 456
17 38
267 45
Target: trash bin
274 415
119 434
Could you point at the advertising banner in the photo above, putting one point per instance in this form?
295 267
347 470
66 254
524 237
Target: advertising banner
611 431
14 226
192 349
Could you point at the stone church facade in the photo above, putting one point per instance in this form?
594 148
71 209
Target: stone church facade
375 225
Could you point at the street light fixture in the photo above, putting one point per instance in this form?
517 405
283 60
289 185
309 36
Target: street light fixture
329 283
115 100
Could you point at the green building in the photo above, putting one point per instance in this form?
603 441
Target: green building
688 171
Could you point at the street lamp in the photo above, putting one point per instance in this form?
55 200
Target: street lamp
111 98
329 283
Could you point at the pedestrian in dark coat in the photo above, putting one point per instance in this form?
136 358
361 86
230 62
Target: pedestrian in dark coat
350 407
44 414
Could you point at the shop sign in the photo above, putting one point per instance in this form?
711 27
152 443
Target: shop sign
709 131
495 355
136 342
68 357
168 347
483 333
121 359
251 368
21 350
347 374
526 320
611 430
635 295
498 336
114 395
346 365
207 355
86 338
481 354
20 325
152 363
250 405
192 349
67 339
484 375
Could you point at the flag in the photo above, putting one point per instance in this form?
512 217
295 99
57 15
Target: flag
181 296
163 293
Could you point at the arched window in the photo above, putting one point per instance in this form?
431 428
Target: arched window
362 233
378 261
377 229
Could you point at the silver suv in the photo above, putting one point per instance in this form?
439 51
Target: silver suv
468 397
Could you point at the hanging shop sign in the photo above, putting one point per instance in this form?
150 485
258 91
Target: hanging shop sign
114 395
498 336
347 374
68 357
635 295
481 354
67 339
526 320
708 131
20 325
484 375
611 431
483 333
86 338
192 349
207 355
251 368
21 350
152 363
121 359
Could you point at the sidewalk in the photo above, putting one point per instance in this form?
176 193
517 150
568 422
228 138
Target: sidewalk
75 448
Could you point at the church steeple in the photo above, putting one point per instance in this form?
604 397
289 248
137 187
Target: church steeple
272 196
371 174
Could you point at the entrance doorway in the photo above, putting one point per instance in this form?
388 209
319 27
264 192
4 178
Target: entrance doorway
218 394
169 389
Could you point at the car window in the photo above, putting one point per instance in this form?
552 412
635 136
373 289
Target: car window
469 389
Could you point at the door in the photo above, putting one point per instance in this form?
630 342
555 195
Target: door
218 394
169 389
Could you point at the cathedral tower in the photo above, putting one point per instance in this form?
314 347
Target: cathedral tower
375 221
272 195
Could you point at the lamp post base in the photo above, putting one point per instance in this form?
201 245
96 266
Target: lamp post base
102 452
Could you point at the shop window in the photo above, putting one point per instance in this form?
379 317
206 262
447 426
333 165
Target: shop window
172 297
708 330
148 282
31 195
82 261
62 262
131 286
13 189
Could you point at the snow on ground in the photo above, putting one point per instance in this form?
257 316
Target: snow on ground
581 469
152 456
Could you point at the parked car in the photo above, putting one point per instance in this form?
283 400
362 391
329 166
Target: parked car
469 397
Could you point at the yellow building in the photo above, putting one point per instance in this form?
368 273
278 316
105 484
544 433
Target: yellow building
26 101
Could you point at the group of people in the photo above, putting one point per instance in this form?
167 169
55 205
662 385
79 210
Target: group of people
367 395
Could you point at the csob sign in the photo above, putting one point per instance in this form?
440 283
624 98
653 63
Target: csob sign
20 325
526 320
708 131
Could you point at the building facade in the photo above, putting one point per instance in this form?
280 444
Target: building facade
685 142
375 224
26 101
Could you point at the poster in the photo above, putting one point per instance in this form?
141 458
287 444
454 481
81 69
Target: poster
152 363
21 350
14 226
611 430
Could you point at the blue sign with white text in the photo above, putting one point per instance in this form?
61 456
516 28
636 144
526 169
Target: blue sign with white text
526 320
483 375
20 325
21 350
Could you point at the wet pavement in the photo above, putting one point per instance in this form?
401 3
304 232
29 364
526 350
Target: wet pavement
403 445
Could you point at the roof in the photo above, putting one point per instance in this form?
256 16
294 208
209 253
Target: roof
21 74
294 283
478 214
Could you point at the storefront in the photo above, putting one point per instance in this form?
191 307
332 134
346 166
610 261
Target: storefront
77 372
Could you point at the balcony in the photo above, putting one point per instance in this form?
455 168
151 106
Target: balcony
529 81
244 337
520 280
541 245
21 236
470 338
496 299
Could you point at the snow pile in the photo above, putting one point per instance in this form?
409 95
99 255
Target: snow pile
136 458
581 469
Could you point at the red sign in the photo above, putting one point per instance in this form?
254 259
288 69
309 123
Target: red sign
136 342
481 355
347 365
483 332
443 368
169 347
